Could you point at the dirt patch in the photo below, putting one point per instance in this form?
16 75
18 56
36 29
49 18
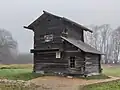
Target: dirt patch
63 83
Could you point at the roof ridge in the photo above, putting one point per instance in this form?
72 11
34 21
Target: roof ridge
64 19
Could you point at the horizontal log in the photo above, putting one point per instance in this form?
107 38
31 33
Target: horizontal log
51 61
50 64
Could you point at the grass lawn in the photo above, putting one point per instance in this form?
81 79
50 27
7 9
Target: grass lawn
108 70
7 86
17 72
111 70
24 72
16 66
112 85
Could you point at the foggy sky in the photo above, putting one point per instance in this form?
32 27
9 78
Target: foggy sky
17 13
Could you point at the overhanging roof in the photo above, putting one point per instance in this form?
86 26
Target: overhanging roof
62 18
81 45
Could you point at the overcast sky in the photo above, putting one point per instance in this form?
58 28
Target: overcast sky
17 13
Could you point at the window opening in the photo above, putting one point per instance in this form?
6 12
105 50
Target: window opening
72 62
48 38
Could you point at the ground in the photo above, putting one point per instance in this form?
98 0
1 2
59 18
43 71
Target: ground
63 83
24 72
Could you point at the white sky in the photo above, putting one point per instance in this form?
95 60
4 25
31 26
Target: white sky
17 13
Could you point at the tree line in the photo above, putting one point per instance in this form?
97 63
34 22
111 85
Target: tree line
105 39
9 53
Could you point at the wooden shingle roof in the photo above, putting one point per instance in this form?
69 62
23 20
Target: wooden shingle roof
81 45
34 23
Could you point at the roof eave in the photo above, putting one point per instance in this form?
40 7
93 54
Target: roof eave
78 25
96 53
27 27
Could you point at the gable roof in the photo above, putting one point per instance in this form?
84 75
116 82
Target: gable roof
62 18
81 45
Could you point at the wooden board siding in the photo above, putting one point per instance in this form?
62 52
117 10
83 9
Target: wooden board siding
48 62
92 63
79 62
78 34
48 26
74 32
39 42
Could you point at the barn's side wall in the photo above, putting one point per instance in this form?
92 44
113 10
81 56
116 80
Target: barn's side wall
92 63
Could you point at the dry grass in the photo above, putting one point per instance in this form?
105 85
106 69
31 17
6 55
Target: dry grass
111 70
16 66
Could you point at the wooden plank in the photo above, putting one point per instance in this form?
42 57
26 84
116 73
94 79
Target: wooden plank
51 61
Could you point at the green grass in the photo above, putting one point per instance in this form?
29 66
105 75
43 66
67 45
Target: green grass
8 86
112 85
18 74
16 66
108 70
24 72
111 70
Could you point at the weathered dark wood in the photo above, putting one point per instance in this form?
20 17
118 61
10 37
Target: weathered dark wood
100 69
48 42
92 63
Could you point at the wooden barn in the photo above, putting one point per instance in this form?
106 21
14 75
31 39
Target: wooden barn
59 47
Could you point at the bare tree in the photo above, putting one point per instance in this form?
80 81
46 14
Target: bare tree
100 39
7 46
116 44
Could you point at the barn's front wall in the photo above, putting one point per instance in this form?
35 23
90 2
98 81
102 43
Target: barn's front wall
49 63
48 26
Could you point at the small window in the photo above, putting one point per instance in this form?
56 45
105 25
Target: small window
72 62
58 54
48 38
